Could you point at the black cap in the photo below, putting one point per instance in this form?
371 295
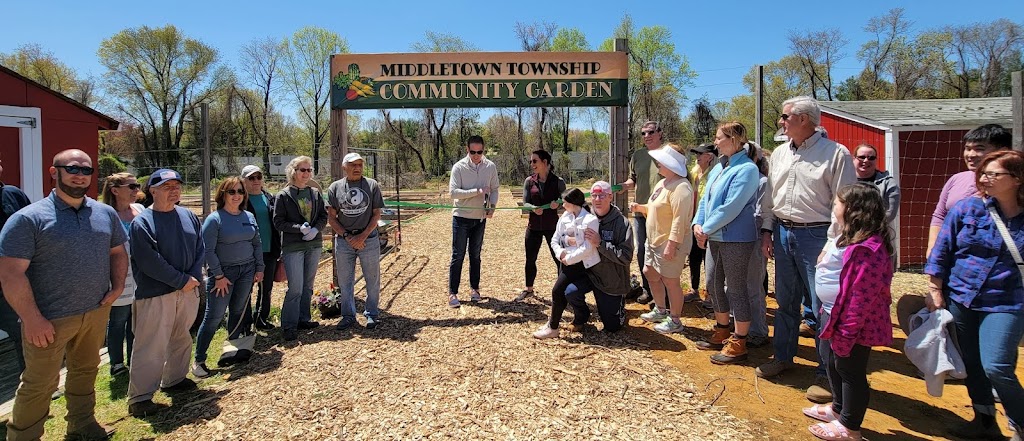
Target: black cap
705 148
574 196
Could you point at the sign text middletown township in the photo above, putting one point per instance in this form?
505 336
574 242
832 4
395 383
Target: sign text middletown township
479 79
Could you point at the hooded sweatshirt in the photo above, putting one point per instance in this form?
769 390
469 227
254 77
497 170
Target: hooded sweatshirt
611 274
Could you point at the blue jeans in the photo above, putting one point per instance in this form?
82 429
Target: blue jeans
300 267
235 302
369 261
796 254
465 232
119 332
988 341
611 309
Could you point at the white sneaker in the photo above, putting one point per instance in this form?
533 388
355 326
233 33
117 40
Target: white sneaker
546 332
669 326
656 315
199 370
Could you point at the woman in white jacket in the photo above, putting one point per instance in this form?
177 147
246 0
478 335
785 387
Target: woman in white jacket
575 255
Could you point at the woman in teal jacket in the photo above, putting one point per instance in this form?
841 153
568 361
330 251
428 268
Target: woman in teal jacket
724 224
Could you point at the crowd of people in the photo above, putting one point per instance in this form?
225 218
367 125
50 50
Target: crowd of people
148 279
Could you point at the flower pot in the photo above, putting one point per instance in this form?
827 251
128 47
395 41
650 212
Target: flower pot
327 312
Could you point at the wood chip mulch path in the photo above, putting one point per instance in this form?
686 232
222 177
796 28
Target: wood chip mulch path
432 372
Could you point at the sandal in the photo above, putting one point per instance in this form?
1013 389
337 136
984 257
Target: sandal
834 431
821 412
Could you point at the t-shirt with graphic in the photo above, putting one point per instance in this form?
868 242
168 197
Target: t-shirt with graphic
304 200
355 201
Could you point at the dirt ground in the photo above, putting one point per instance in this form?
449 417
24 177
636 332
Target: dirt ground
900 407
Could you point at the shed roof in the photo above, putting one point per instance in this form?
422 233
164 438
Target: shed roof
110 123
940 112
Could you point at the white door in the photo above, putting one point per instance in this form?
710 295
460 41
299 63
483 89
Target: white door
28 121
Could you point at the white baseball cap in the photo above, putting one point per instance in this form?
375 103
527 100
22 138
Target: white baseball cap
351 157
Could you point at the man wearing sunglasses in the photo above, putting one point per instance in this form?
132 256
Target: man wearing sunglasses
865 163
643 176
805 173
62 264
473 187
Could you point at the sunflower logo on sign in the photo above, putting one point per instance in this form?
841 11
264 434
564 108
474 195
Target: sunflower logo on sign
354 85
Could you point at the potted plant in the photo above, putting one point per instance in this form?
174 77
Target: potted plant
326 301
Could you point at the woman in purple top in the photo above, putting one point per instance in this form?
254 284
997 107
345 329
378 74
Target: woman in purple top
974 274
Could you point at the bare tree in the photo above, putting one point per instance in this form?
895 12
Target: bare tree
435 120
261 67
536 37
818 52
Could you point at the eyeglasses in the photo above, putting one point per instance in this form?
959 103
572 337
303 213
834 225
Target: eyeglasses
600 195
994 175
867 158
256 177
76 169
131 186
476 152
647 132
235 191
304 170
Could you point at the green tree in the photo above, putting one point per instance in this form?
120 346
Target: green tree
307 75
261 61
158 76
657 75
568 40
43 67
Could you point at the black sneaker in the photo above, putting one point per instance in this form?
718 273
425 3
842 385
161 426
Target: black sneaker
645 298
347 322
371 322
264 325
290 334
308 325
144 408
184 385
981 427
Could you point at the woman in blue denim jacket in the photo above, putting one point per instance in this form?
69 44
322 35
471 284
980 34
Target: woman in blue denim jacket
974 274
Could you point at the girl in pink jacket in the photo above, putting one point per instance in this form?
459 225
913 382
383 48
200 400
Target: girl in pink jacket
853 278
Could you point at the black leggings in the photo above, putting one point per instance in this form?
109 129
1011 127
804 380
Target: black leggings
534 239
848 377
696 260
566 276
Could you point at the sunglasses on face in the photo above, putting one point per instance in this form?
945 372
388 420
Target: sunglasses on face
476 152
131 186
534 161
647 132
255 178
235 191
785 116
305 170
76 169
867 158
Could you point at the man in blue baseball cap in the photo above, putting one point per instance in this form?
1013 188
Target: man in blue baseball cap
167 259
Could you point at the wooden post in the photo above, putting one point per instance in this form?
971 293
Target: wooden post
759 107
618 155
205 116
339 142
1017 85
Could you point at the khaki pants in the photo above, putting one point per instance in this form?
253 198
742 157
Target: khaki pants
163 346
77 339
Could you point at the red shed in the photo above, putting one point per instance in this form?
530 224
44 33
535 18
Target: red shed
920 141
35 124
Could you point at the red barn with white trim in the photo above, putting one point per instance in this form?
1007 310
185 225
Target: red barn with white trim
35 124
920 143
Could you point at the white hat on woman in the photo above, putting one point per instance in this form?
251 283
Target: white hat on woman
671 159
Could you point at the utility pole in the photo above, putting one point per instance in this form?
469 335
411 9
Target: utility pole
1017 85
204 110
618 162
759 106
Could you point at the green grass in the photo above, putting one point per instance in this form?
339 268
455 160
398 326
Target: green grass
112 403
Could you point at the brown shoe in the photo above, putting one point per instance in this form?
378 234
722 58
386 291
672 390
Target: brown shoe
93 431
821 391
734 351
573 327
717 340
806 330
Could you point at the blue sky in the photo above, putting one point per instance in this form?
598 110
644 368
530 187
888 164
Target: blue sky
722 39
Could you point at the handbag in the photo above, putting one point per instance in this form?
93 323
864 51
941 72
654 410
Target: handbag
1008 239
280 275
